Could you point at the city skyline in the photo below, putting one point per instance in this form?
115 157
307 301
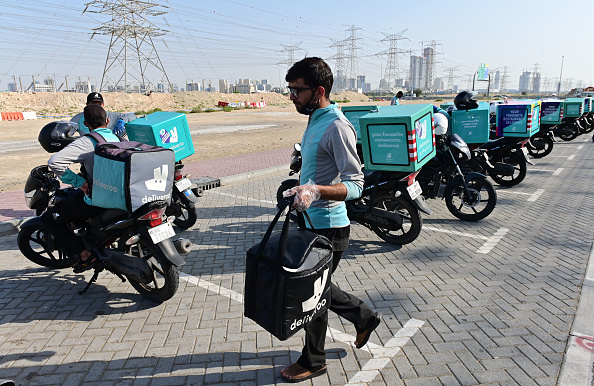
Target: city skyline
231 40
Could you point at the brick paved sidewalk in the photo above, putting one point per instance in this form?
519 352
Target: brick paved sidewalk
12 204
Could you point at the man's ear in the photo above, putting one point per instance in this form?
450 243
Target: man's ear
106 121
321 92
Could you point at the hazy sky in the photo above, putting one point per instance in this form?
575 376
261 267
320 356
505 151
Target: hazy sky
231 39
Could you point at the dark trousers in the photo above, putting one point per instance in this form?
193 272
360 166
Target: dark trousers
313 356
70 209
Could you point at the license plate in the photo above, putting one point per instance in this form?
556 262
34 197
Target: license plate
414 190
183 184
161 232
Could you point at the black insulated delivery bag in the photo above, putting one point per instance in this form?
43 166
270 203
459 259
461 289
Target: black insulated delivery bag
287 280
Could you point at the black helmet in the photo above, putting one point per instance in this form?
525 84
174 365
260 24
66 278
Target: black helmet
465 100
57 135
36 187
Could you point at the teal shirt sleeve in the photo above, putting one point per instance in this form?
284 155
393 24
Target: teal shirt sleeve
353 190
71 178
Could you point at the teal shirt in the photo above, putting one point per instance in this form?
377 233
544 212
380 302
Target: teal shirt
328 150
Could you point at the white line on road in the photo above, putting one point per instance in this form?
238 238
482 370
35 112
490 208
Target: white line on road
580 147
455 233
493 240
383 355
541 170
536 195
558 171
242 197
571 157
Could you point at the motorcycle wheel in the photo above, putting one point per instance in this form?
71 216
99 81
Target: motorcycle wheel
187 212
38 245
587 126
412 221
474 206
165 275
568 136
541 146
519 169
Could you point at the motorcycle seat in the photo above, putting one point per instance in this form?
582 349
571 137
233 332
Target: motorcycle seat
500 142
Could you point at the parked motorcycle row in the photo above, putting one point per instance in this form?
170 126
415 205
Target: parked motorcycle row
392 200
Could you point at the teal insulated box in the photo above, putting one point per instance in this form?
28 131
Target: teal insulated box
518 119
472 125
398 138
353 113
165 129
575 107
551 111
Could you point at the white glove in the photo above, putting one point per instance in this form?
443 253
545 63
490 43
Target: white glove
304 195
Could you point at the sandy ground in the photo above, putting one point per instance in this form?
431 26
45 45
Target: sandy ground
247 131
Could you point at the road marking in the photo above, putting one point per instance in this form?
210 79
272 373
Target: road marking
455 232
379 353
533 196
580 147
536 195
571 157
242 197
541 170
493 240
558 171
383 356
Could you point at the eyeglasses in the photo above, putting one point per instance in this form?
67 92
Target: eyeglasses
296 90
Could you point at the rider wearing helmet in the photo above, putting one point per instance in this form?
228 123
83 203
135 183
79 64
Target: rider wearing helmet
466 100
440 122
116 120
78 206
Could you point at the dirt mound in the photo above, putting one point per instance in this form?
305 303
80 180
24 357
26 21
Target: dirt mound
62 103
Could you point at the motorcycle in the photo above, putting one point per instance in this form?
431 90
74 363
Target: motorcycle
569 129
390 203
470 196
135 246
508 160
183 199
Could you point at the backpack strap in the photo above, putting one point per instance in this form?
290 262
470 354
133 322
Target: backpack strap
97 137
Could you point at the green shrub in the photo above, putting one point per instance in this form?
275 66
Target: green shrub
438 100
228 108
196 110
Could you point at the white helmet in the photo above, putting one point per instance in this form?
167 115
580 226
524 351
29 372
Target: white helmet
440 123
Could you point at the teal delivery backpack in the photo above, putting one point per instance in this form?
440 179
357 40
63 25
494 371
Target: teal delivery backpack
129 174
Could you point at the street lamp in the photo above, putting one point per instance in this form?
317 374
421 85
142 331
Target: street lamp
559 86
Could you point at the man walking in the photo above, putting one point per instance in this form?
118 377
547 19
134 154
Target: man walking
330 174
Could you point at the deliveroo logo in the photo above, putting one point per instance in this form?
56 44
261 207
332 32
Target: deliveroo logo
159 182
169 136
319 285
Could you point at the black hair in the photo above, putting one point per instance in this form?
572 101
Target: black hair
399 94
314 71
95 116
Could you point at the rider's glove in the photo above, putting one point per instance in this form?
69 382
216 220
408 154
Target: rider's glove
119 128
304 195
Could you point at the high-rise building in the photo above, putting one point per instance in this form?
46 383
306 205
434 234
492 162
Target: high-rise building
524 81
416 72
224 86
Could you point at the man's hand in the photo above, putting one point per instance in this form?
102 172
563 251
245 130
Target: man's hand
304 195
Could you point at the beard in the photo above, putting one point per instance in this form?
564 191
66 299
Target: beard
308 108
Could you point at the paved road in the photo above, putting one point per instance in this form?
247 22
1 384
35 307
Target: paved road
492 302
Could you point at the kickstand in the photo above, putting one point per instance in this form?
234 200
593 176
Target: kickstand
93 279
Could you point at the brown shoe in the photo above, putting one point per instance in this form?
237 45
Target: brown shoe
297 373
363 336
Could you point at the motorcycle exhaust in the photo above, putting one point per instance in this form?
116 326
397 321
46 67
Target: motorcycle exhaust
183 246
130 266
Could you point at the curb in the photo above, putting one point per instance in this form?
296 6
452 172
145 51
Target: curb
12 226
578 360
